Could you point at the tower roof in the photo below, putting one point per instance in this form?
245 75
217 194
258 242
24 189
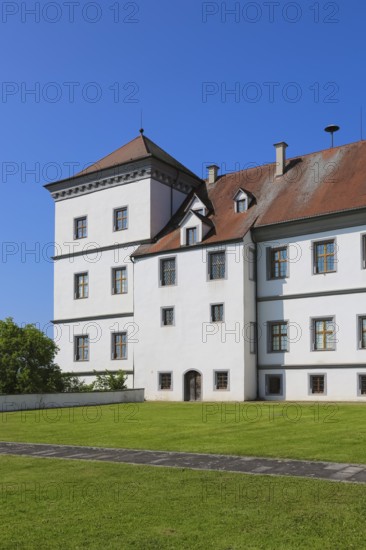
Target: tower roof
139 148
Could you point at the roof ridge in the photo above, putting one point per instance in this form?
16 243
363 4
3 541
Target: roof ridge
345 145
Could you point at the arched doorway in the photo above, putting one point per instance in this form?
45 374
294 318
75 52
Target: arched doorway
192 386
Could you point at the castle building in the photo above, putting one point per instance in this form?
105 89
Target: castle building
242 286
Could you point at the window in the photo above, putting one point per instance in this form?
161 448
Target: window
278 340
191 235
120 219
241 201
167 316
167 272
216 265
82 348
278 260
221 380
119 345
324 334
119 280
363 251
80 228
317 384
251 332
165 381
362 384
324 257
252 264
362 332
217 313
273 384
241 205
81 289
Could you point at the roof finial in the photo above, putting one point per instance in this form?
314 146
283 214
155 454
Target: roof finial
141 128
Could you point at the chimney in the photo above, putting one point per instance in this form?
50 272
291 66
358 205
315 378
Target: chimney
280 158
212 173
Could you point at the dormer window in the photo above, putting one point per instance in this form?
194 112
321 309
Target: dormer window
196 205
241 201
194 228
241 205
191 235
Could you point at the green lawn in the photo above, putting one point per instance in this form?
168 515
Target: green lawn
55 504
321 432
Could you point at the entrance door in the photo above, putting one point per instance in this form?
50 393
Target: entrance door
192 386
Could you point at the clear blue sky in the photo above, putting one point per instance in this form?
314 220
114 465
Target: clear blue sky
294 66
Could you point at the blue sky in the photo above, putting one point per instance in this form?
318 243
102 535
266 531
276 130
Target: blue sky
216 81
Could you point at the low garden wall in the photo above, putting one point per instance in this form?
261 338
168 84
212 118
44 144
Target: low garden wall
9 403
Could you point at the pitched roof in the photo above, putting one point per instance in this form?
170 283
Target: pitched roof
329 181
139 148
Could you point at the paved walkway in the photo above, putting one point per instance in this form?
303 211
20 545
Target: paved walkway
331 471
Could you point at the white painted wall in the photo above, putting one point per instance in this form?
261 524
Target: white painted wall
182 348
341 384
301 278
101 300
299 313
100 335
11 403
98 207
165 201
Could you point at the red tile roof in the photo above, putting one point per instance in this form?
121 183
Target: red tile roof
139 148
328 181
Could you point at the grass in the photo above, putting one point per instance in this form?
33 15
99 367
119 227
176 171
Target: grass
304 431
55 504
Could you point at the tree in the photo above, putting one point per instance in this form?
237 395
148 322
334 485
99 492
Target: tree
73 384
110 381
27 360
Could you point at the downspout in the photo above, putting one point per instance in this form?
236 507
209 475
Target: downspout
133 309
256 307
256 318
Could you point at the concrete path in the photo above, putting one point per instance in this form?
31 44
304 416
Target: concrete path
331 471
